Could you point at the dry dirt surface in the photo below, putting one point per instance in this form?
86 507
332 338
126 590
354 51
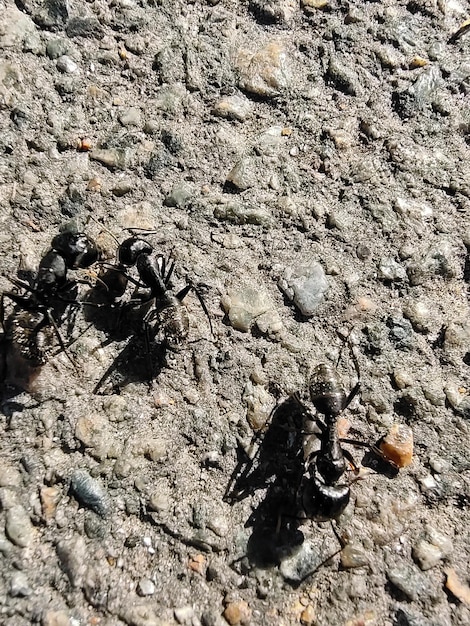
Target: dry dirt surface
306 167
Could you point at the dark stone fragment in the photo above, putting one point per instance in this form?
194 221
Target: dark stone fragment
157 163
89 492
71 202
401 332
84 27
48 14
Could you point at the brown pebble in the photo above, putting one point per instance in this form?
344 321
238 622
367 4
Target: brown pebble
397 445
457 588
237 612
197 564
84 144
94 184
50 497
308 615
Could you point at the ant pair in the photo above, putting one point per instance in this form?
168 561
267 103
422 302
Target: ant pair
43 302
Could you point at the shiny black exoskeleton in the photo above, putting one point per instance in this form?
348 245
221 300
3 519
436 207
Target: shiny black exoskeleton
42 302
150 311
167 315
323 496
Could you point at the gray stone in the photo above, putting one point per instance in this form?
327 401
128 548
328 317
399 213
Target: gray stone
15 26
145 587
243 174
179 196
410 582
306 285
131 117
73 559
89 492
57 47
18 526
265 72
343 77
243 214
84 27
66 65
390 270
401 332
113 158
19 585
299 566
275 11
233 108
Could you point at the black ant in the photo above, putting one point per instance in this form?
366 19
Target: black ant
323 497
30 329
164 314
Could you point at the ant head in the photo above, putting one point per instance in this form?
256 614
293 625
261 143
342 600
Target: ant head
78 250
131 249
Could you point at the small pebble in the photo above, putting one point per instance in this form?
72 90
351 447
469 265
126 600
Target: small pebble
56 618
243 214
145 587
112 157
259 405
353 555
243 173
50 497
184 614
19 586
264 73
198 564
18 526
66 65
307 617
390 270
458 589
244 305
89 492
397 445
402 378
429 552
306 285
237 612
233 107
419 315
130 117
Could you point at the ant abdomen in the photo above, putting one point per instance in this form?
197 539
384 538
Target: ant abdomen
326 390
323 502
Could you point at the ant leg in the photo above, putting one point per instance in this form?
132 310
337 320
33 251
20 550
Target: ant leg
352 394
184 292
167 278
59 337
351 459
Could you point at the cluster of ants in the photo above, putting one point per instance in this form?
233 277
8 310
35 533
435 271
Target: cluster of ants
310 482
50 297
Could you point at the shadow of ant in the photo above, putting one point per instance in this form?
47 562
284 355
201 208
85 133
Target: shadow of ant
141 359
283 466
277 467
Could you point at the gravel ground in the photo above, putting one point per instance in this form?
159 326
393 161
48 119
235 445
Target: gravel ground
306 164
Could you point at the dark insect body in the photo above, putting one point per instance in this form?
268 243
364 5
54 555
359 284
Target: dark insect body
322 494
31 329
161 316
